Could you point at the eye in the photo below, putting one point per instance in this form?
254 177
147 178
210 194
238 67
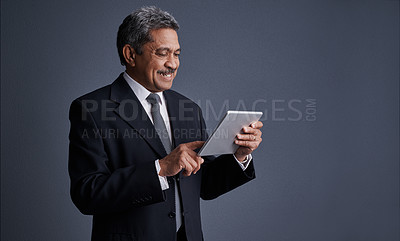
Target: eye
163 54
177 54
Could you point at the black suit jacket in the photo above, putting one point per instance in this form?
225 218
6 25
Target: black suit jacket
113 147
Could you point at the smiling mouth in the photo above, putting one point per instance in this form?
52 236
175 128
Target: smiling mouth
167 73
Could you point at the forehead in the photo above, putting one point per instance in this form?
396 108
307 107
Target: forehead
164 38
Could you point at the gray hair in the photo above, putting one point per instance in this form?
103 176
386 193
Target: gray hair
136 27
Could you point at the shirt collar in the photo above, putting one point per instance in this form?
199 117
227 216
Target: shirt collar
140 91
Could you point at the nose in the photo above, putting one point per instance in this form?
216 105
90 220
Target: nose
172 62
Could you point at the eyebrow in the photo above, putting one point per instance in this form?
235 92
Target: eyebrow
167 49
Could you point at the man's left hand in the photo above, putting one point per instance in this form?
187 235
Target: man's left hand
249 140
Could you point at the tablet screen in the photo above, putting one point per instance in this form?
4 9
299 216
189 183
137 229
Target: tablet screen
221 141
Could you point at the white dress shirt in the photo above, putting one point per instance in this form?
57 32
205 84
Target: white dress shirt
142 93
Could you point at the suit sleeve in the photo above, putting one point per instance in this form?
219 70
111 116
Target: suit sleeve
221 174
95 189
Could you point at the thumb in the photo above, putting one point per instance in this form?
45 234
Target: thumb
195 144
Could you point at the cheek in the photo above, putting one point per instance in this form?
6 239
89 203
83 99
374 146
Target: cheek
157 65
154 66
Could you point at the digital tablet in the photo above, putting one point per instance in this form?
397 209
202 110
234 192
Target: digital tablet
221 141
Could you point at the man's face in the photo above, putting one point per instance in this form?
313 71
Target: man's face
157 66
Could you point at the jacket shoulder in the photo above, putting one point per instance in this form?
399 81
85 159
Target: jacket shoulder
102 93
178 96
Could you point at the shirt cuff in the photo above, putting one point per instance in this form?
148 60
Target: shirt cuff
245 163
163 180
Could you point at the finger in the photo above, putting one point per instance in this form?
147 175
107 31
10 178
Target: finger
190 165
250 130
186 173
257 125
199 162
246 137
196 163
193 155
194 145
187 169
250 144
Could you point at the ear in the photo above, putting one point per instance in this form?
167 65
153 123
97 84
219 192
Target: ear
129 55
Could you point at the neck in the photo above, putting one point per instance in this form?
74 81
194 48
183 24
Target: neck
135 77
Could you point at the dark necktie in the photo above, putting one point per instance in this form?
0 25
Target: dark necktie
158 121
162 132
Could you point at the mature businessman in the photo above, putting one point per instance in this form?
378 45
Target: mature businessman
132 159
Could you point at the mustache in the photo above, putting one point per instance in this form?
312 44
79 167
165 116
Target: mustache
168 71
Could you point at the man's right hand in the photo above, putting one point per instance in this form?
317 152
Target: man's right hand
182 157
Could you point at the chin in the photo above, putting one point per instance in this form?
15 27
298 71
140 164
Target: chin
164 86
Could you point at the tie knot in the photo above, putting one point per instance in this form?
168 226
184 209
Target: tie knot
153 99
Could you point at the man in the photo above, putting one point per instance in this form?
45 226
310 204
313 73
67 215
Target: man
132 159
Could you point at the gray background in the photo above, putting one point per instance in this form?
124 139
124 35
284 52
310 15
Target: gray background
332 179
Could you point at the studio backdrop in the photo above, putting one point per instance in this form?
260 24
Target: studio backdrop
325 74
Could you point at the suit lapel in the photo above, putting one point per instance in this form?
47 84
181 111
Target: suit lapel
131 110
173 112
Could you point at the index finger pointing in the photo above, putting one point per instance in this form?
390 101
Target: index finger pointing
194 145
